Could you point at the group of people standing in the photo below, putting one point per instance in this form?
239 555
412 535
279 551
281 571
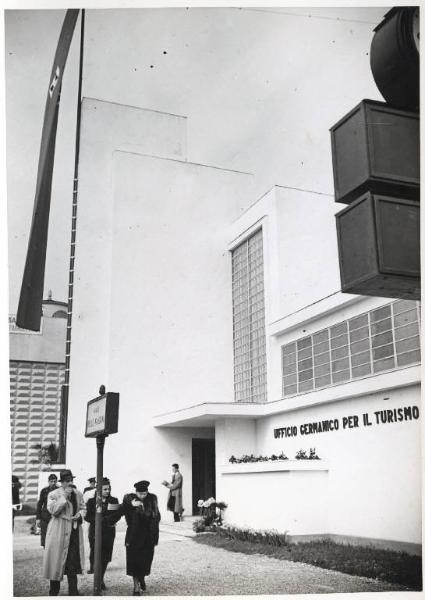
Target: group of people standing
62 508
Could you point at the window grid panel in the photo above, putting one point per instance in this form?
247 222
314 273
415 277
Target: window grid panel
383 339
249 339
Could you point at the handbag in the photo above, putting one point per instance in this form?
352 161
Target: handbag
171 502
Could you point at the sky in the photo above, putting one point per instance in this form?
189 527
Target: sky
233 72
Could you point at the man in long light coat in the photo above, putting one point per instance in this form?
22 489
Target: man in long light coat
64 550
175 495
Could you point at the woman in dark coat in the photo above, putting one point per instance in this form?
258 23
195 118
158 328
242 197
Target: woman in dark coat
110 516
142 515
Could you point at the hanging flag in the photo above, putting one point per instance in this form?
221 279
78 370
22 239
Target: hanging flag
31 298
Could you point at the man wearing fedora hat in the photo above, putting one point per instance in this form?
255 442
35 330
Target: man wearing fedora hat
64 550
42 514
142 515
110 516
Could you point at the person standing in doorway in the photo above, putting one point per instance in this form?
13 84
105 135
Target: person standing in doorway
64 546
43 516
175 495
142 515
110 516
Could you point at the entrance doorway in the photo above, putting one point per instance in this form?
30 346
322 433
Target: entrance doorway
203 471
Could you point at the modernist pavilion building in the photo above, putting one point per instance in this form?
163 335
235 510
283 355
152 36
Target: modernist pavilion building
215 312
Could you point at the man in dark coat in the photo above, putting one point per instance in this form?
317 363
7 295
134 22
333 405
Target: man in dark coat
142 515
110 516
42 515
175 495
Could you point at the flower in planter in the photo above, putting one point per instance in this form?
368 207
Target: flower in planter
211 514
313 455
47 455
254 459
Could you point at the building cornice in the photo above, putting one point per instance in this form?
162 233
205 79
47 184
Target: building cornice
206 414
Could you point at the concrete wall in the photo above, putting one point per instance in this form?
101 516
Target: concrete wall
152 320
105 127
367 484
36 370
48 345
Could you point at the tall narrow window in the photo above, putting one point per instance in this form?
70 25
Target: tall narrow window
249 339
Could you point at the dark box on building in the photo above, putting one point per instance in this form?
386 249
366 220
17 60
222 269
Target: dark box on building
376 148
379 247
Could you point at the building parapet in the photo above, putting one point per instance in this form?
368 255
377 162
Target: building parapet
206 414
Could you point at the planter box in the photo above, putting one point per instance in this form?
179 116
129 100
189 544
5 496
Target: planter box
376 148
379 247
274 466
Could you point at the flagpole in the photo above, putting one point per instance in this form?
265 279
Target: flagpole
31 297
65 387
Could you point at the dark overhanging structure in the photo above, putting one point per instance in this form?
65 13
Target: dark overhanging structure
376 167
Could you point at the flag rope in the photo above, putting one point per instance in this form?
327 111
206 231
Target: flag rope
65 387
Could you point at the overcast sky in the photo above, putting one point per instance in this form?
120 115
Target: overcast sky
235 73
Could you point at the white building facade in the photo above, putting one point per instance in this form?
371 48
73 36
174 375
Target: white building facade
217 316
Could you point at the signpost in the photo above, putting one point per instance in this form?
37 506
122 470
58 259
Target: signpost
101 421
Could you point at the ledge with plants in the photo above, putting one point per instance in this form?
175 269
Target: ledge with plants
303 461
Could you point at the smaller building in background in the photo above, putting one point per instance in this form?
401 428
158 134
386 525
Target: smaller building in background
37 371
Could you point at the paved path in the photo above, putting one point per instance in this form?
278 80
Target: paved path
182 567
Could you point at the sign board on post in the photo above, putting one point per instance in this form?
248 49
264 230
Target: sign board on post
102 415
101 420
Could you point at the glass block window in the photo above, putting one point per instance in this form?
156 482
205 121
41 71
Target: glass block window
249 339
383 339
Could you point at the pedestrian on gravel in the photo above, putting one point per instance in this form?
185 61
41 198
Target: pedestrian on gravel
64 549
142 515
43 516
110 516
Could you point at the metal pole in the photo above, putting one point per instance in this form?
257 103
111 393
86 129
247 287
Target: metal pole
65 397
97 582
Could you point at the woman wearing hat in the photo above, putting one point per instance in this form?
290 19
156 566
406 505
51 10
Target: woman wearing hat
42 515
142 515
64 551
110 516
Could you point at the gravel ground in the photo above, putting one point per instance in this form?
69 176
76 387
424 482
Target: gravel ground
183 568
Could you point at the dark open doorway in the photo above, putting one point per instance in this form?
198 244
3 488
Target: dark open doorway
203 471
